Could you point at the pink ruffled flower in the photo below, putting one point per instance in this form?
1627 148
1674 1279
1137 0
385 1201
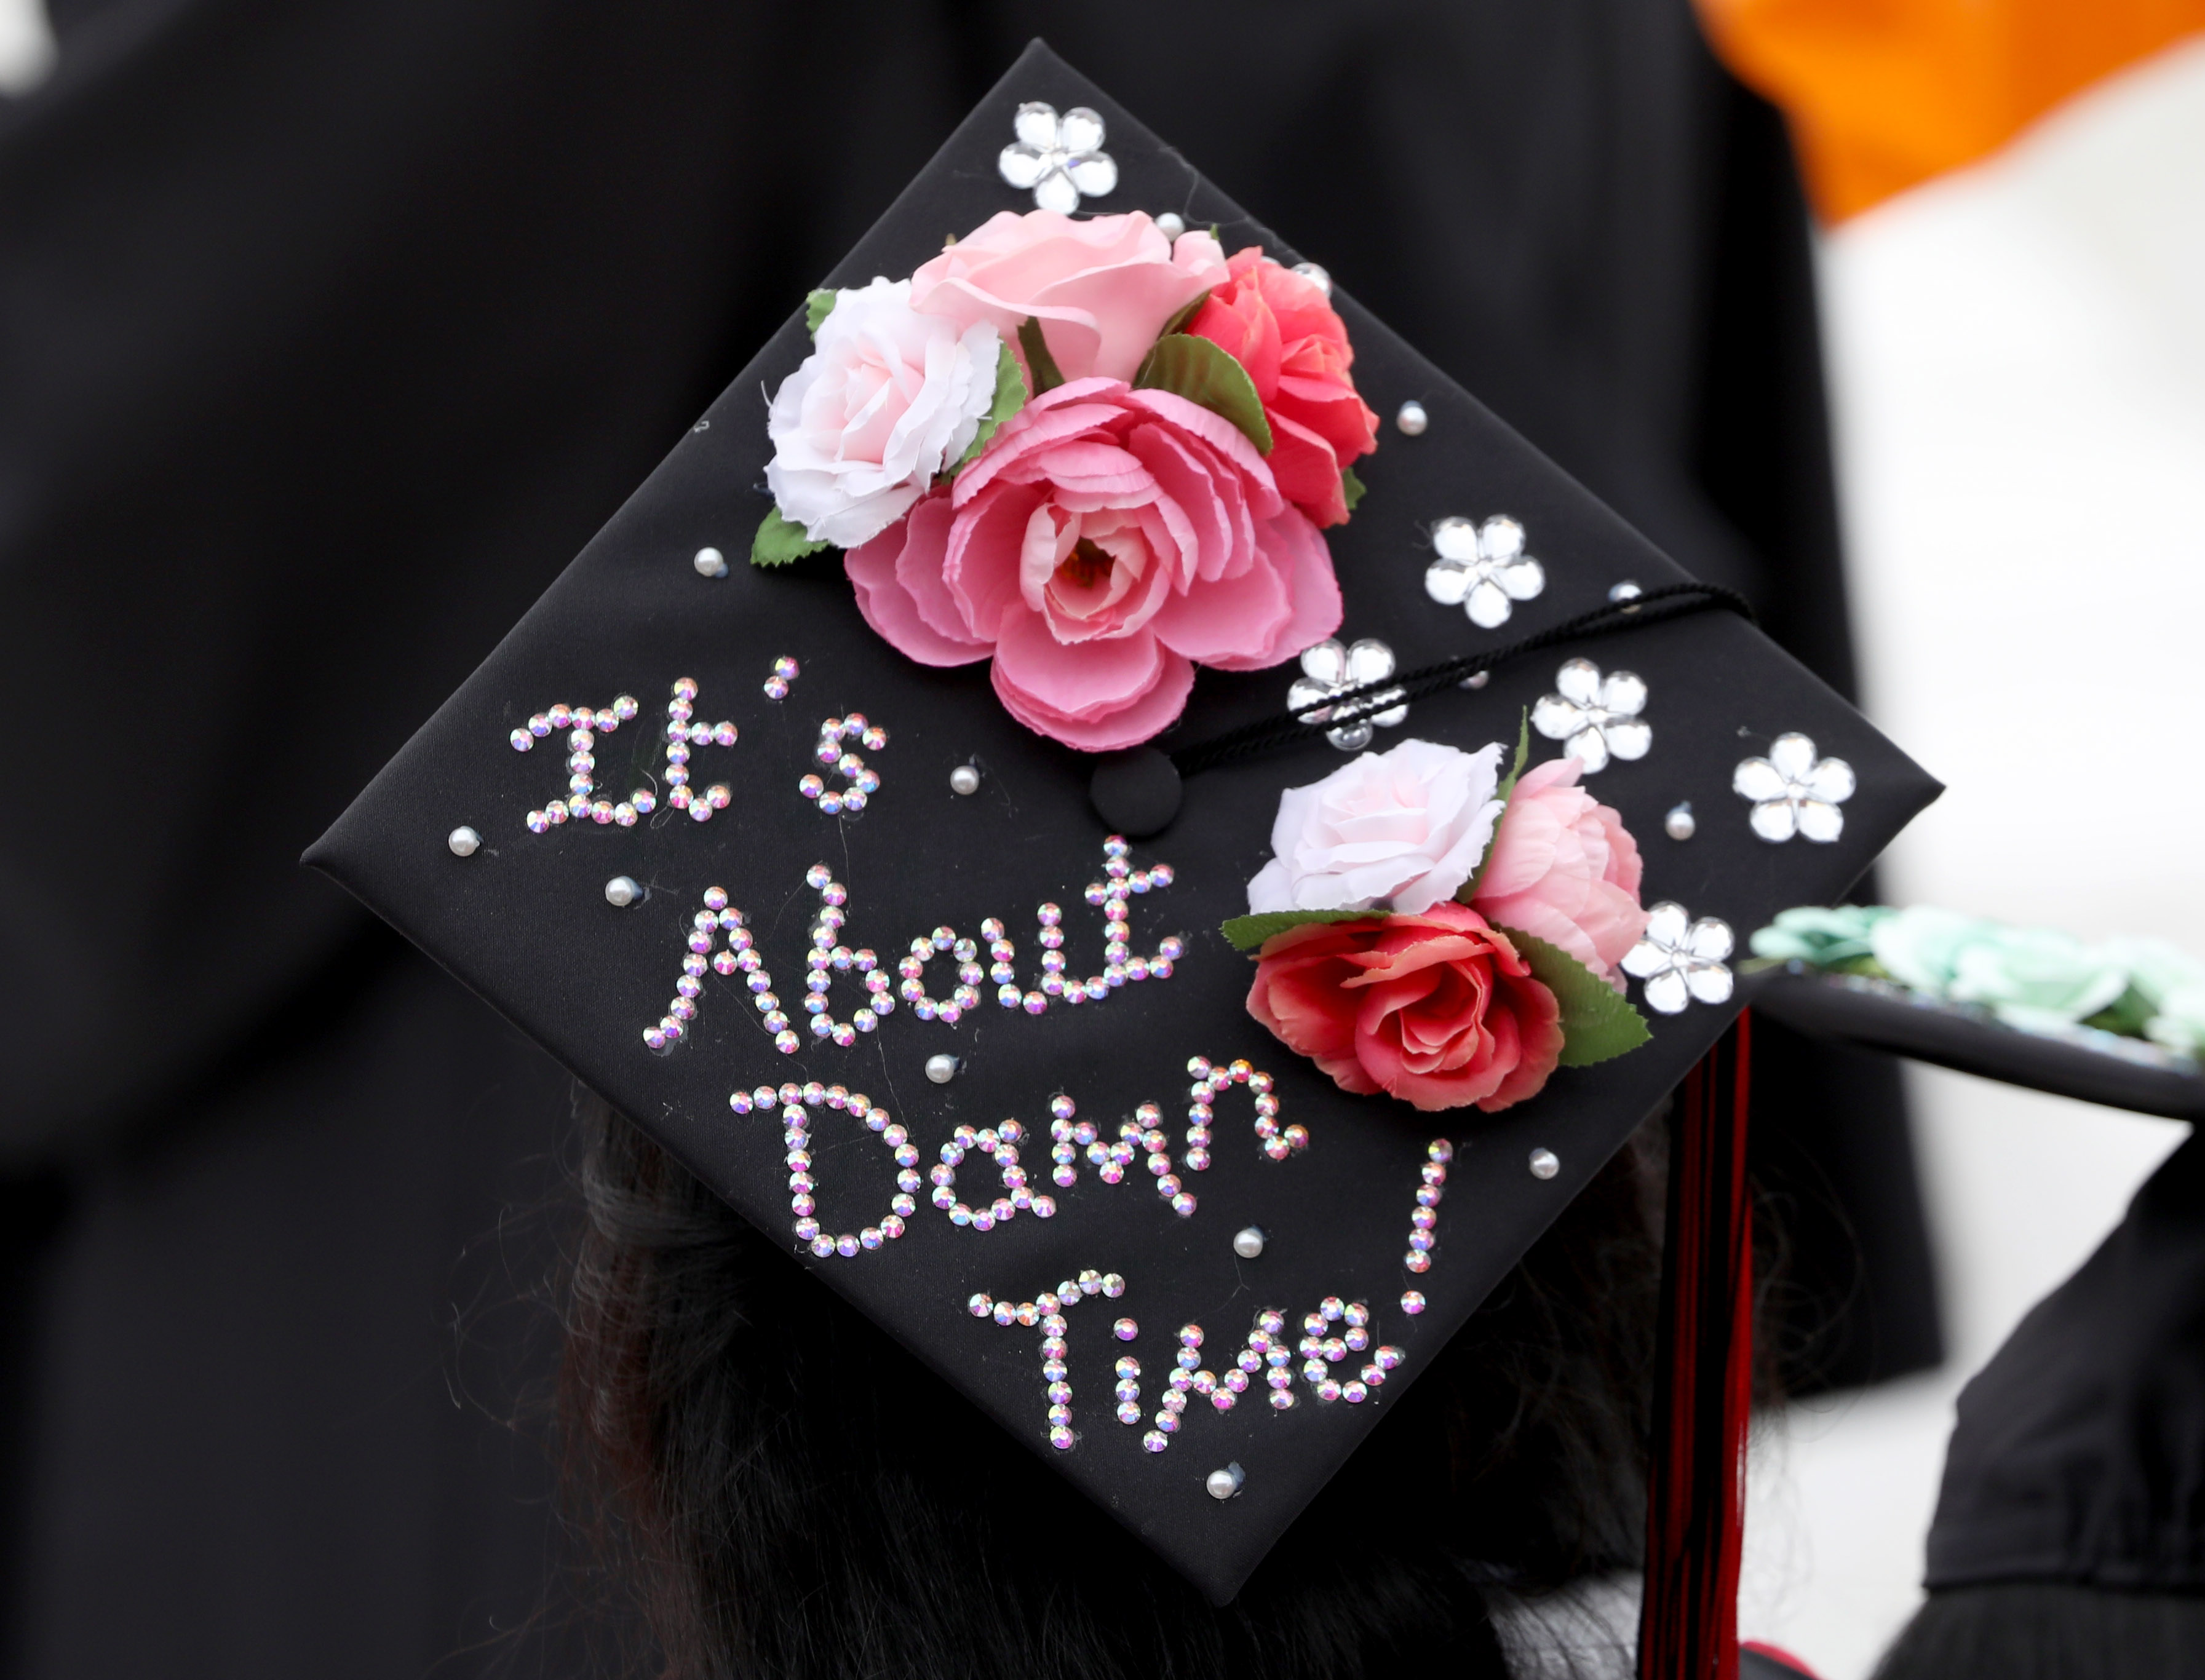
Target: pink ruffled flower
1106 542
1102 288
1564 867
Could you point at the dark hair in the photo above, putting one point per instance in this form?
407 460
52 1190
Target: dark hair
2050 1630
791 1495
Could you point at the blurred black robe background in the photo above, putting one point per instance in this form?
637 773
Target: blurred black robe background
328 334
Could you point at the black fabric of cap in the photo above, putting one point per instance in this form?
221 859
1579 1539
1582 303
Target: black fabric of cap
2078 1453
525 921
1880 1015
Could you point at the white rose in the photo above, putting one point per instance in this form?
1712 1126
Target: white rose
1399 830
887 399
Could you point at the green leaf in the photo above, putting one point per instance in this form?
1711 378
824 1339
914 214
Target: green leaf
817 308
2126 1014
1597 1025
1468 890
778 541
1010 397
1248 933
1047 375
1206 373
1178 323
1351 488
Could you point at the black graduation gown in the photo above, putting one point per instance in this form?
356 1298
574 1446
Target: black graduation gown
330 333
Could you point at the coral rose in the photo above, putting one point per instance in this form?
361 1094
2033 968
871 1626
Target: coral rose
1282 328
1106 542
1438 1009
1100 288
1565 869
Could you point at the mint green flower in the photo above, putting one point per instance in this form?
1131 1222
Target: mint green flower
1824 938
2180 1023
2157 970
1920 945
2037 977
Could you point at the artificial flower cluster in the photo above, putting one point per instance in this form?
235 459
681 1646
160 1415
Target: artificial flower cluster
2037 979
1093 455
1428 930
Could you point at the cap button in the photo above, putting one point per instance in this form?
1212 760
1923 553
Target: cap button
1136 791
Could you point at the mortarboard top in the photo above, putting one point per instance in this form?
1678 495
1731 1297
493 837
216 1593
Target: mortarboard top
2090 1066
526 919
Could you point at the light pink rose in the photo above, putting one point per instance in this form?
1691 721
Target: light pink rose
1398 830
1565 869
887 399
1102 288
1106 542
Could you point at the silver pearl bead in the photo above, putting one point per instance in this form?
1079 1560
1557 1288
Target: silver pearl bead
1411 419
943 1068
711 563
1315 275
1225 1483
1248 1243
1476 679
1678 824
463 842
1171 224
1545 1163
965 780
622 891
1625 590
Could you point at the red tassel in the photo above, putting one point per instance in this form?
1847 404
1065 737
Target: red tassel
1696 1487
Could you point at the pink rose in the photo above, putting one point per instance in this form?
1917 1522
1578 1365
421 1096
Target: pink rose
1100 288
1564 867
1106 542
1282 328
1437 1009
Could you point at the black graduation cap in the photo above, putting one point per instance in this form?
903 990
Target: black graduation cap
763 782
2090 1064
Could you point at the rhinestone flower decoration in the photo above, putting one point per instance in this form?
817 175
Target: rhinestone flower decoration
1328 669
1794 793
1482 569
1595 717
1060 157
1679 960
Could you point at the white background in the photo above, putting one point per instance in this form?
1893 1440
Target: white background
2017 356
